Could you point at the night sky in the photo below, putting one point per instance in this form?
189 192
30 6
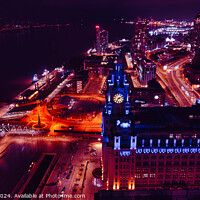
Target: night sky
97 11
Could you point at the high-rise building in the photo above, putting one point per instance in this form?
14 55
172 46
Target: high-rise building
148 148
196 35
102 40
140 39
147 71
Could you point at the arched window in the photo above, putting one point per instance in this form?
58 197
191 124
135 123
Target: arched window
138 157
146 157
184 157
169 157
192 157
153 157
161 157
177 157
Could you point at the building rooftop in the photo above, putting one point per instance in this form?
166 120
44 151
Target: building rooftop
64 100
167 119
154 84
93 58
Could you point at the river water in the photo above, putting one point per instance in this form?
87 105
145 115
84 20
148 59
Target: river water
24 53
19 156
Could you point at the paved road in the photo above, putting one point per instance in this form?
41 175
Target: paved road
95 85
174 82
175 88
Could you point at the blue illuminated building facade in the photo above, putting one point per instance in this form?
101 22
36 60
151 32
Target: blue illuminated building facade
117 130
148 148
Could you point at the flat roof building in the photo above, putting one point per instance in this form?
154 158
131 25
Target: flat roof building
148 148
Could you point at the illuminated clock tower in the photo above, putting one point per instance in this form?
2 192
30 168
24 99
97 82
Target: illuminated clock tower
119 141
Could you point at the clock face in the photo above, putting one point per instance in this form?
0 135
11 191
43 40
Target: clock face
118 98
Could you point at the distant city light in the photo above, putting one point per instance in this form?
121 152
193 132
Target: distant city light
165 67
170 39
35 77
45 72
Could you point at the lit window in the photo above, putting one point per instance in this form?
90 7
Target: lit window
137 176
152 175
145 176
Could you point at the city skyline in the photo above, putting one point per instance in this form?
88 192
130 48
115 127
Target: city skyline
113 108
98 11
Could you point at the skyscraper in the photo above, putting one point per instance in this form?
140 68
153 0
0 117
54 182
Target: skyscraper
102 40
196 34
140 39
147 71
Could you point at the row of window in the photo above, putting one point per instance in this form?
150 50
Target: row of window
146 157
117 153
161 169
167 176
122 167
184 157
170 142
168 163
124 159
139 183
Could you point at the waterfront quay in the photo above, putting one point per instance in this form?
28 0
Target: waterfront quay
46 165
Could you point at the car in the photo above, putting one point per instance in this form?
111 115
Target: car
71 128
93 150
93 154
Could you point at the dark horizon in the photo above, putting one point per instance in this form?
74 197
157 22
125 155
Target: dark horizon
77 11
